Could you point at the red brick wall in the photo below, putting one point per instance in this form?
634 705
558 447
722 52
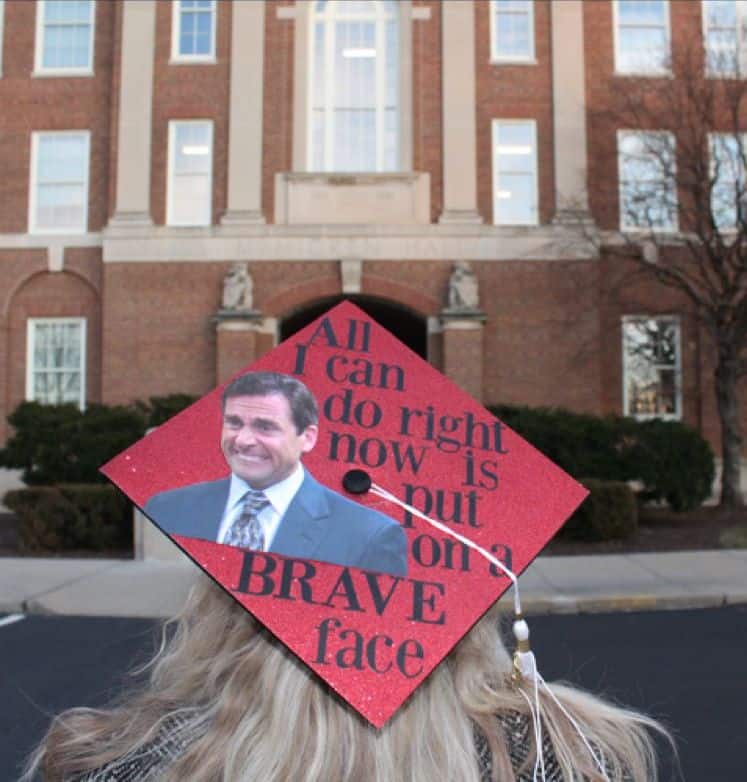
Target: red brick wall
190 91
50 103
514 92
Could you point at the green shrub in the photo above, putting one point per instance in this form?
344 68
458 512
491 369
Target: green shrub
581 444
72 516
672 462
159 409
62 444
610 512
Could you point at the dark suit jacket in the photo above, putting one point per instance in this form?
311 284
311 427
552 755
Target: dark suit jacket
318 524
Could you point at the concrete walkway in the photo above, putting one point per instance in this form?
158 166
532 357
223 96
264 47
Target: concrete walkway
602 582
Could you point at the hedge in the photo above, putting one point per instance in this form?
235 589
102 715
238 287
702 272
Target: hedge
62 444
610 512
65 517
671 461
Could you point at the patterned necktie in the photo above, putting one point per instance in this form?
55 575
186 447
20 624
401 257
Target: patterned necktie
246 531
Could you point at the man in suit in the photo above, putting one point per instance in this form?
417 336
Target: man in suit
270 502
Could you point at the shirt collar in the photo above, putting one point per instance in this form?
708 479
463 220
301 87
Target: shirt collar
279 494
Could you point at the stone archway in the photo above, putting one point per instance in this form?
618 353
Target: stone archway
406 325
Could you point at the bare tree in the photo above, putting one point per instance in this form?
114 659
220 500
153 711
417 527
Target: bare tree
683 209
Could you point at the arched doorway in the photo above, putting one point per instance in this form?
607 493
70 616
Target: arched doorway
406 325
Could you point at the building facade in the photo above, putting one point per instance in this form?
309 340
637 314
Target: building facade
338 149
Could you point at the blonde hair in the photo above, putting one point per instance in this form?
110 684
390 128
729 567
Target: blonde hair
259 713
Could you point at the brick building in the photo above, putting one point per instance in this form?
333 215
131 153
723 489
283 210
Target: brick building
350 149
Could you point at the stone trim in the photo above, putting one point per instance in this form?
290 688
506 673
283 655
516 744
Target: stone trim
245 114
330 243
459 112
569 108
135 112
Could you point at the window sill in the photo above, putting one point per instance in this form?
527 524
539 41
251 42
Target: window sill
57 231
63 73
513 61
666 74
193 61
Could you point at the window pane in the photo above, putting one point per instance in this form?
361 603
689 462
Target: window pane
722 13
60 182
196 22
642 36
648 195
651 362
66 34
515 163
512 28
57 361
642 49
355 118
191 169
728 171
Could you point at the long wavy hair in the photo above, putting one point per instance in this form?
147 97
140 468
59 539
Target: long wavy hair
257 713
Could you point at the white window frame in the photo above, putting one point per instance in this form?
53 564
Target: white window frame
496 123
329 103
741 33
170 184
39 68
503 59
671 227
176 34
30 349
662 71
677 415
34 228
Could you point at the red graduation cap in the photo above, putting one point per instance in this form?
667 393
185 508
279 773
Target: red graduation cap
368 595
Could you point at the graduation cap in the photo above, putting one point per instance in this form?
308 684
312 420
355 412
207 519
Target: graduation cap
414 508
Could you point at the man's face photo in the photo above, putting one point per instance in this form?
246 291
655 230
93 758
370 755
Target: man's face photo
260 441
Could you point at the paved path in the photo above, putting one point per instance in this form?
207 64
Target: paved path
601 582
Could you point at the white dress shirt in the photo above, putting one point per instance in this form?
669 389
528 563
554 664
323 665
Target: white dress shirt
279 496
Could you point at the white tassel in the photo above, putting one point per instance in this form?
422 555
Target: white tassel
525 670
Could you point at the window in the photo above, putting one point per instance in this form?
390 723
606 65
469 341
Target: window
722 22
728 197
512 30
193 30
648 190
641 36
64 37
56 360
189 200
515 172
354 84
652 367
58 195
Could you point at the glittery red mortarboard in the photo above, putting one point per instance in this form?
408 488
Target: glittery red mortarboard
376 623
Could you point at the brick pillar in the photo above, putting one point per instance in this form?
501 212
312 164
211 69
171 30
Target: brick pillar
462 350
239 342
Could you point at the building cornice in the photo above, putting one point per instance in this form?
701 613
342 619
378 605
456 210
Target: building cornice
324 243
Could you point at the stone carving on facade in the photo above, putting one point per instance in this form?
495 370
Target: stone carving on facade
238 289
463 293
